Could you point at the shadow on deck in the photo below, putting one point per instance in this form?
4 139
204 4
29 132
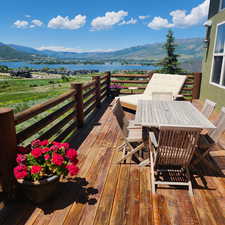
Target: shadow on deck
109 193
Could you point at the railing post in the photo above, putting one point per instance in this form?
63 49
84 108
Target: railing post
108 73
197 85
7 149
79 103
97 90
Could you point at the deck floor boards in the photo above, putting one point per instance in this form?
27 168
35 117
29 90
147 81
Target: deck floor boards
107 193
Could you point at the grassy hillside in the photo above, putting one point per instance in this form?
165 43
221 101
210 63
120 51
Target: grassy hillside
7 52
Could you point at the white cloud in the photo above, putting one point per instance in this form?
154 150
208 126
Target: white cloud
78 50
36 23
28 16
60 22
21 24
159 22
131 21
110 19
143 17
180 18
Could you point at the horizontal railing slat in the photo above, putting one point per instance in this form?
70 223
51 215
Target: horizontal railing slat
105 77
88 85
130 81
31 130
89 109
37 109
130 75
66 132
88 93
53 130
89 101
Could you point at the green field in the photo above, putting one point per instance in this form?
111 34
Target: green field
21 94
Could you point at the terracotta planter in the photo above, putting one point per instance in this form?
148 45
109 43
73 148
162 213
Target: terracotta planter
40 192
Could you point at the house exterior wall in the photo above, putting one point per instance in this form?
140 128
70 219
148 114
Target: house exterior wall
208 90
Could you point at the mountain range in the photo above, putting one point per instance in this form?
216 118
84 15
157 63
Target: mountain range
187 49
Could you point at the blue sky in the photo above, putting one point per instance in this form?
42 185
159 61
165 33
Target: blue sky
98 25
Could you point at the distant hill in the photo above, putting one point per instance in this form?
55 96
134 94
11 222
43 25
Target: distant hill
8 52
188 49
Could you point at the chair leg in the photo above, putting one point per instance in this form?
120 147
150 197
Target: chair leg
133 151
152 174
189 183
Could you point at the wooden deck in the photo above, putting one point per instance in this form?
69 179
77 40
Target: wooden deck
106 193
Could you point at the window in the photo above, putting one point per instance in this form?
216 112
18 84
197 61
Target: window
218 71
222 4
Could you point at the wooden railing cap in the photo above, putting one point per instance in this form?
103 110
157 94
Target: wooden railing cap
5 110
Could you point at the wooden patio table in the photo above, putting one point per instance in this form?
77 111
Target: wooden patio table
153 114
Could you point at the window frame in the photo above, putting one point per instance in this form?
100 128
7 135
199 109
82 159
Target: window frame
220 8
222 73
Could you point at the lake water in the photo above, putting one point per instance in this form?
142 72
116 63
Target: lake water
101 68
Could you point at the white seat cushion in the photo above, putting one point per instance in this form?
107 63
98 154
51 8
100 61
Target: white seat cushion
159 83
133 99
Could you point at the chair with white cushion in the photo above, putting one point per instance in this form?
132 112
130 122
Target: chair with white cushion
158 83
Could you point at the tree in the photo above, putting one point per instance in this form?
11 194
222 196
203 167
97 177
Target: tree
170 63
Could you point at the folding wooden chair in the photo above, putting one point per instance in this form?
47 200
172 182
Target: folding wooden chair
207 141
172 156
131 134
208 108
162 96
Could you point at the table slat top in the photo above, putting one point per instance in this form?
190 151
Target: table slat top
170 113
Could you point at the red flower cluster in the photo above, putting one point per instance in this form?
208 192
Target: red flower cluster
44 159
35 169
20 172
20 158
36 152
73 169
57 159
71 154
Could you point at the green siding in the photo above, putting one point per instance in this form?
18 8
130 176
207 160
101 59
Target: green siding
213 8
208 90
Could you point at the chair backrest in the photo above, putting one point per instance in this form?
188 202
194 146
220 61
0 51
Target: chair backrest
208 108
163 96
165 83
120 117
176 145
220 126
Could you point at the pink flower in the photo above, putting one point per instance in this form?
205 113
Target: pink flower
35 169
72 169
20 158
35 143
47 157
36 152
71 154
57 159
20 172
44 143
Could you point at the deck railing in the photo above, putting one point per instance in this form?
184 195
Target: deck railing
65 114
190 90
